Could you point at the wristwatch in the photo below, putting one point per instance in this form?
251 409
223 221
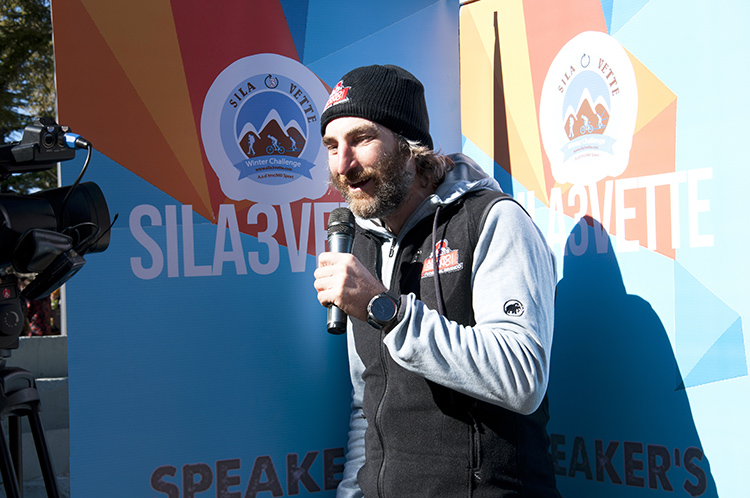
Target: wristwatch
382 310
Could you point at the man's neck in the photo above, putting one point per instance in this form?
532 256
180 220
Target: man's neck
395 221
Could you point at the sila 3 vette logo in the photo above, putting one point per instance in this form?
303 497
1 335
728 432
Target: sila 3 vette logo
588 109
260 128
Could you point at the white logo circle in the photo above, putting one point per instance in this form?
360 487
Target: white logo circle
261 133
588 109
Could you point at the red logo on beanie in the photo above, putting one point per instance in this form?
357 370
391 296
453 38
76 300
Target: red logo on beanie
338 94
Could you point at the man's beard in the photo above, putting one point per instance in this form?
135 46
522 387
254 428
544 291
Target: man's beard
392 181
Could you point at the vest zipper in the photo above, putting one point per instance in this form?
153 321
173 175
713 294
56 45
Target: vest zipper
475 449
383 361
378 413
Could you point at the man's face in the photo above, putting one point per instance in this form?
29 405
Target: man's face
367 167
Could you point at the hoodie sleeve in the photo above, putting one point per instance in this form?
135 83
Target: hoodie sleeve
504 358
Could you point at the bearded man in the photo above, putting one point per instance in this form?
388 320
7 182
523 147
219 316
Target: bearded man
450 296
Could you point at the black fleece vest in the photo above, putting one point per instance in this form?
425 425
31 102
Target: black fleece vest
423 439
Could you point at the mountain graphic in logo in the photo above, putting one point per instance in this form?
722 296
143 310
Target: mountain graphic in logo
274 138
591 114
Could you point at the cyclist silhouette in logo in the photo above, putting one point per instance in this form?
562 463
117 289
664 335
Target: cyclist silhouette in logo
275 146
587 127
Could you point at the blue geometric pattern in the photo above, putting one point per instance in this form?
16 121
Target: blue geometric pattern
619 13
709 343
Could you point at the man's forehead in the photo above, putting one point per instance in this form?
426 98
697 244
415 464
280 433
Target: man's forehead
349 125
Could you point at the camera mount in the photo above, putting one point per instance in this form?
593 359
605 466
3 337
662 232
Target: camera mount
43 144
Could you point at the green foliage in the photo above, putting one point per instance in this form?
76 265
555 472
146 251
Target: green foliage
27 88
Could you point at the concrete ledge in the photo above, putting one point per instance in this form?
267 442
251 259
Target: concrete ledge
45 357
58 444
35 488
53 394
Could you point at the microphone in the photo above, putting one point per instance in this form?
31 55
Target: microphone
340 239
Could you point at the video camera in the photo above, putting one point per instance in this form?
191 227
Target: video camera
47 232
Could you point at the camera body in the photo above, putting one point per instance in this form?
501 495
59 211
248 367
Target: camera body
49 231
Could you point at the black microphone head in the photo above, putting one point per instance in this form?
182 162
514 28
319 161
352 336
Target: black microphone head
341 221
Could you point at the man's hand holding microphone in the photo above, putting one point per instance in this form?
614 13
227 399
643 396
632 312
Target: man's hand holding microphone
344 285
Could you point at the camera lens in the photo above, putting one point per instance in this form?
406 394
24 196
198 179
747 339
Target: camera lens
49 139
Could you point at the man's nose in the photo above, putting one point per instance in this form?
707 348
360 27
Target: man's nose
347 159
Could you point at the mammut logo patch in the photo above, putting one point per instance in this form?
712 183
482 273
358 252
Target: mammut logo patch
513 308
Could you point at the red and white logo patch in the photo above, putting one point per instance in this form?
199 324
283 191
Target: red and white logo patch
338 95
447 260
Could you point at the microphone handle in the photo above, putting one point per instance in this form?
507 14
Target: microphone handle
336 319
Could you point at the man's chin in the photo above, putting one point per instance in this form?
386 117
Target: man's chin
362 205
360 209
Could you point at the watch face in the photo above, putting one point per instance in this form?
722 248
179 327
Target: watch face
383 309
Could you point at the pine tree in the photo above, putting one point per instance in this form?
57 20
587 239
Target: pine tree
27 88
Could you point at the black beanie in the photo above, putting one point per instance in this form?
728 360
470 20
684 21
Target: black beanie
388 95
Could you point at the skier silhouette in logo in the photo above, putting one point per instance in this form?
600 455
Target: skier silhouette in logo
601 121
294 143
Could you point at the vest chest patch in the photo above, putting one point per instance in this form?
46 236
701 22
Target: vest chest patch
448 260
